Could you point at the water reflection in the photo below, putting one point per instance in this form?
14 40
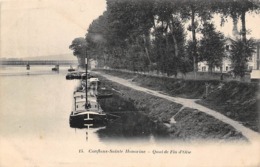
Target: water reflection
33 70
123 120
130 124
90 127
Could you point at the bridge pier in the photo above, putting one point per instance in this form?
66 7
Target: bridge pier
28 67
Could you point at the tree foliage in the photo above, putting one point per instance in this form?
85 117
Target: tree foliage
196 11
211 46
240 54
144 35
236 9
78 46
97 39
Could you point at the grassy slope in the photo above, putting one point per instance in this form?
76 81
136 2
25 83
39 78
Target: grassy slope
237 101
233 99
190 124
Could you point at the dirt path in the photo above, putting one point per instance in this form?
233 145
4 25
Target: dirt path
248 133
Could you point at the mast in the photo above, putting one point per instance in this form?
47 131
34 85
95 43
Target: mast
86 61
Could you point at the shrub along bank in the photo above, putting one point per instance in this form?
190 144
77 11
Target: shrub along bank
236 100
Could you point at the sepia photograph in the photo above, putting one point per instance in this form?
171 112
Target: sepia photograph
129 83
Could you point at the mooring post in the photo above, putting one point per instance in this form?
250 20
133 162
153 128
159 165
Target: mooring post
207 89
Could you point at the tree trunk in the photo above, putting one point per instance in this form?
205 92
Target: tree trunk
166 39
235 31
146 49
243 21
175 46
194 50
210 68
174 39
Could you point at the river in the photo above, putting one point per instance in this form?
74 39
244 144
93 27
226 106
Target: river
34 119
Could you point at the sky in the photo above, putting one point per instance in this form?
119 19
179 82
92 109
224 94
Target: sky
31 28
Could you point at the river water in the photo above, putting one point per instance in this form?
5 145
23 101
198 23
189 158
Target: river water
35 106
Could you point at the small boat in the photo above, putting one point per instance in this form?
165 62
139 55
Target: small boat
83 76
93 86
92 83
77 75
71 69
56 68
74 75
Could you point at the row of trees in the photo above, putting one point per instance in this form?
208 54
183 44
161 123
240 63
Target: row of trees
149 35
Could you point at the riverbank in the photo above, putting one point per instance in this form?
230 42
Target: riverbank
236 100
181 123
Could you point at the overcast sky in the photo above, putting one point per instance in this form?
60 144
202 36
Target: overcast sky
45 27
32 28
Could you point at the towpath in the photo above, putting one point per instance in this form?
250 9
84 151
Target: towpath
251 135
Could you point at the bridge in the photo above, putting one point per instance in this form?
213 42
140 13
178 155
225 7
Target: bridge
39 62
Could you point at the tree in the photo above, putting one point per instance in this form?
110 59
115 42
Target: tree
237 9
169 37
195 10
189 59
96 38
79 46
129 24
239 61
122 35
211 46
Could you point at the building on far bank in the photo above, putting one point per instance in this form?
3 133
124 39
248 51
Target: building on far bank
93 63
226 62
253 63
256 57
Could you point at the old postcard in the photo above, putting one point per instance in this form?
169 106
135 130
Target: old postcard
129 83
